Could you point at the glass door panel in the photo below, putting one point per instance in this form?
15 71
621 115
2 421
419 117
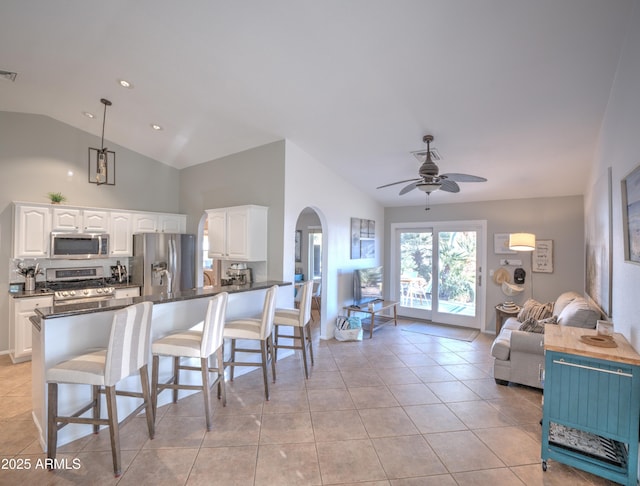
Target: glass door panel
416 269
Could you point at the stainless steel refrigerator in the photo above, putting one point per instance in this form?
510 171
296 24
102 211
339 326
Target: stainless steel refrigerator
163 262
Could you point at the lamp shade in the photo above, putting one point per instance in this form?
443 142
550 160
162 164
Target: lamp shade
522 241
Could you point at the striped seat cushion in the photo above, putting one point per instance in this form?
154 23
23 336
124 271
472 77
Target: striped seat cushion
185 343
532 309
287 317
243 329
85 369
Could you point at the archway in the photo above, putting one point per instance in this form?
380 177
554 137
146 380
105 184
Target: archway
309 256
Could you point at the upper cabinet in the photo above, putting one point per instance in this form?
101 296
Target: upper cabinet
238 233
32 229
79 220
120 234
159 223
34 223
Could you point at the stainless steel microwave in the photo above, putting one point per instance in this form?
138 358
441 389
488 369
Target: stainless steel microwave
79 246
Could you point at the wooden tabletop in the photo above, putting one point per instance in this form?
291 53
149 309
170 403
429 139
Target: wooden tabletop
566 339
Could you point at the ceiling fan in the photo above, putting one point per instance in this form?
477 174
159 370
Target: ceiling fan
430 179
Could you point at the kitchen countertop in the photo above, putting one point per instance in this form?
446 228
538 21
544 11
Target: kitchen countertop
113 304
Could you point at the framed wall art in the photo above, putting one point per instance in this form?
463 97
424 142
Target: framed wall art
542 257
598 243
631 215
298 246
501 244
363 238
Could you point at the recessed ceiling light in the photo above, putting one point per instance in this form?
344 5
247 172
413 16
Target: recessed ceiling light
125 84
88 115
156 127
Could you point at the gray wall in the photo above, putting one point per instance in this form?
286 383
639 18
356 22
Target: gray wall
619 150
255 176
558 219
36 154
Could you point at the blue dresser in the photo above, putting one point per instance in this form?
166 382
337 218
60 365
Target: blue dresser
591 411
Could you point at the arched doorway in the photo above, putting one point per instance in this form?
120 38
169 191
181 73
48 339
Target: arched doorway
309 256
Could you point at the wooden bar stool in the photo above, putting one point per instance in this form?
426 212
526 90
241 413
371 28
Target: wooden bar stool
259 329
299 319
128 352
194 343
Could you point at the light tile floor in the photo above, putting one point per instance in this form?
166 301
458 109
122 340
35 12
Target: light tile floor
400 409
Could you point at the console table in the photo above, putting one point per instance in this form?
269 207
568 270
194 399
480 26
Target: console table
591 410
380 313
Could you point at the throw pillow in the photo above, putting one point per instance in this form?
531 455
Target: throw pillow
532 325
535 309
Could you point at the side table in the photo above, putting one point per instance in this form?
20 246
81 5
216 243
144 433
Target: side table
376 310
502 314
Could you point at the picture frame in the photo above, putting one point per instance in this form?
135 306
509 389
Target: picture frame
598 250
542 257
501 244
298 246
363 238
630 190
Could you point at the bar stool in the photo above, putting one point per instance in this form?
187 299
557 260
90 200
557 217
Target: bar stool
127 352
194 343
259 329
300 320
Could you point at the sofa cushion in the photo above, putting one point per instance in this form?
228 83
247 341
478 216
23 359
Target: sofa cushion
578 313
534 325
563 300
534 309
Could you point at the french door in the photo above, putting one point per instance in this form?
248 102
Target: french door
437 272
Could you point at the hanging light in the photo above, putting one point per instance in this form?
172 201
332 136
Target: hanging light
522 241
102 162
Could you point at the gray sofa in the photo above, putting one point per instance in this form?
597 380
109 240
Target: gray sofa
519 355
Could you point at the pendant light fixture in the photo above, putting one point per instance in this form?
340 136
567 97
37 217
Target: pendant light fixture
522 241
102 162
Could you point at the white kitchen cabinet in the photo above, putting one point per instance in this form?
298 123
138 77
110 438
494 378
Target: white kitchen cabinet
127 292
79 220
238 233
159 223
120 234
20 329
32 228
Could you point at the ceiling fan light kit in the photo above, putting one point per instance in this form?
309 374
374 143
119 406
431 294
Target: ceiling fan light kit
429 178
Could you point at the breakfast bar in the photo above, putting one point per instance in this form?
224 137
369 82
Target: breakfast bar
61 332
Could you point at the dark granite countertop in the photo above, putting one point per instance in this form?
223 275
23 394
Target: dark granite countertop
114 304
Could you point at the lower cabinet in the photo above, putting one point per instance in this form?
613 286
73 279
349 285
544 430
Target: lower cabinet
20 329
591 410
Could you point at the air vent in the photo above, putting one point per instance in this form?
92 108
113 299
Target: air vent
422 154
8 75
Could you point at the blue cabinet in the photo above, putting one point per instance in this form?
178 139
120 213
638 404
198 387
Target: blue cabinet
591 410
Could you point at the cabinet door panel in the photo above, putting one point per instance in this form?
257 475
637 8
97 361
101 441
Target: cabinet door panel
32 232
95 221
65 219
237 234
217 222
120 235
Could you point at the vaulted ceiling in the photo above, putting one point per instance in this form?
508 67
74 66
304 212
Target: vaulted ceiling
512 90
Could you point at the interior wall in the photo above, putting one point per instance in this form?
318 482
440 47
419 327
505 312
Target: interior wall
618 149
559 219
309 183
36 155
254 176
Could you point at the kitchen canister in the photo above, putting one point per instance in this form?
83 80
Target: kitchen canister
29 284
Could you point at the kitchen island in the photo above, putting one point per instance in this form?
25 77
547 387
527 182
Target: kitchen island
61 332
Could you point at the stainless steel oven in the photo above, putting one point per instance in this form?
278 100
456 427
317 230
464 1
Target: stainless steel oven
78 285
79 246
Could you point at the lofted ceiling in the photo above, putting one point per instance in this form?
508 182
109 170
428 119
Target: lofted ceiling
513 90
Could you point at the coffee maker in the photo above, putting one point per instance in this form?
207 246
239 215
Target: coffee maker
240 274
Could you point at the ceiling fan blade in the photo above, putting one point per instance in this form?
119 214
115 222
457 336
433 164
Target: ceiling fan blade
398 182
463 177
449 186
409 188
